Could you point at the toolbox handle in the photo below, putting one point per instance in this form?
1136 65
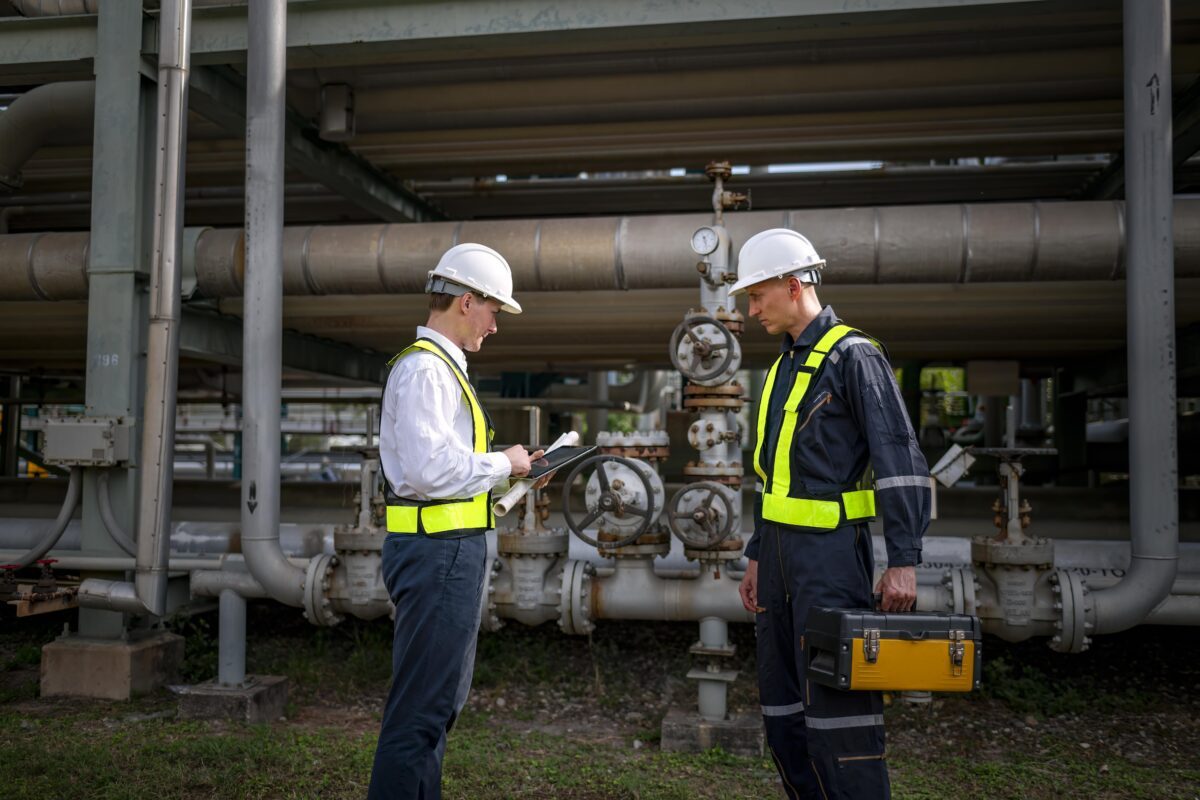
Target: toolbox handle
877 600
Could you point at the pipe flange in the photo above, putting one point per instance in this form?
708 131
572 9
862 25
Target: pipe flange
542 543
994 552
1073 599
489 620
574 600
318 609
961 582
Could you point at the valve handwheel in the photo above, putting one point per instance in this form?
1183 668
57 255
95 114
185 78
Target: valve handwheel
707 519
701 349
613 499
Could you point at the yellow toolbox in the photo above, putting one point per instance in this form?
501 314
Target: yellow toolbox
873 650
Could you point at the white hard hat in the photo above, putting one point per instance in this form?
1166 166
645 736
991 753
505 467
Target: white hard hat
475 268
774 254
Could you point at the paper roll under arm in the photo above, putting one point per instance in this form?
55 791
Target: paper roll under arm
521 486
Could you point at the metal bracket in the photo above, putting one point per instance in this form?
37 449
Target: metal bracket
871 645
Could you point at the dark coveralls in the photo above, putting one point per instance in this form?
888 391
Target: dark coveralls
828 743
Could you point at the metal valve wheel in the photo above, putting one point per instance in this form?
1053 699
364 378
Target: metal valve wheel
702 514
620 494
704 350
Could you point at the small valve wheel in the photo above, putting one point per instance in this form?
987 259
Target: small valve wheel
701 514
620 495
704 350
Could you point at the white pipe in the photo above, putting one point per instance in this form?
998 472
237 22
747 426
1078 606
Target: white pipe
263 317
634 591
33 117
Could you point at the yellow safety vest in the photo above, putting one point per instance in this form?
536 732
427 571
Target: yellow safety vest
434 517
779 502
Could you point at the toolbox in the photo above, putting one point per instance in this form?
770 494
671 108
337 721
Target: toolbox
873 650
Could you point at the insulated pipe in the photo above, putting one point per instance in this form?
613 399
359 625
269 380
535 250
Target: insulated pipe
633 591
1036 241
231 639
1150 299
262 329
213 583
35 116
55 531
54 8
148 594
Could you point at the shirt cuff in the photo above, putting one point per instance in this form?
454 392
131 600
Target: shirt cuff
501 466
904 558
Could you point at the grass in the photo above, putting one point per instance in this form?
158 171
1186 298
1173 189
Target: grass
568 717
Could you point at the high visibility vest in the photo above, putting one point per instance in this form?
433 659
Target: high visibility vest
433 517
781 502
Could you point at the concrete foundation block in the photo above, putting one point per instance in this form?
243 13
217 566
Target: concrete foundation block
262 698
687 732
110 669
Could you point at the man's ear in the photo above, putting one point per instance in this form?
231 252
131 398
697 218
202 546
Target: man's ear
465 301
795 287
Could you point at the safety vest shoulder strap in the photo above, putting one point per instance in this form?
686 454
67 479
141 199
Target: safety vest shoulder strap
481 427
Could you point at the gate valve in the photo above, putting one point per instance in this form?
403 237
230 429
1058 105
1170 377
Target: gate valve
704 350
615 499
701 515
46 583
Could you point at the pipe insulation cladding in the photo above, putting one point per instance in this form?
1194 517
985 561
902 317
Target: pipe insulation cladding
1066 241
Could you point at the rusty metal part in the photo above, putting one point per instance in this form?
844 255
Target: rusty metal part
719 470
734 321
31 603
46 584
653 454
548 543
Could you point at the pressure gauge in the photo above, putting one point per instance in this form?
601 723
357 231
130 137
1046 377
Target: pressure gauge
704 241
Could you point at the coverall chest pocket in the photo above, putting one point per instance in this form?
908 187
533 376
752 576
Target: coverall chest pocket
812 452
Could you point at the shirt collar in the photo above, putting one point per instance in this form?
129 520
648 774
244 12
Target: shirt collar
809 336
452 349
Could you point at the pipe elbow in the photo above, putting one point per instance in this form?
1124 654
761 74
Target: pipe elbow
111 596
1130 602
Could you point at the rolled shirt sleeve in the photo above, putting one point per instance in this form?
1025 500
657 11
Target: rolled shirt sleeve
902 491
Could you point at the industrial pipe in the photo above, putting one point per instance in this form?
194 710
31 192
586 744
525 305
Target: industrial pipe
968 243
1150 302
148 594
104 500
34 117
55 531
634 591
262 329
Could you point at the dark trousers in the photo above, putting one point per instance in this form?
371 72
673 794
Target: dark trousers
826 743
436 585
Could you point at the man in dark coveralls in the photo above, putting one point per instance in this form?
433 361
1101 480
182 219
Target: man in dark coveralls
835 449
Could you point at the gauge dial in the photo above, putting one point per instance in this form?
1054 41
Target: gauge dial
705 240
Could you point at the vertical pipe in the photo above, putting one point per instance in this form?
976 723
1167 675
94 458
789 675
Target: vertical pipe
263 315
535 433
714 635
231 639
597 418
1150 299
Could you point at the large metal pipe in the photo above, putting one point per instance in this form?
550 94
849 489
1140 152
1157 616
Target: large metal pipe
1150 299
263 318
34 117
148 594
634 591
966 243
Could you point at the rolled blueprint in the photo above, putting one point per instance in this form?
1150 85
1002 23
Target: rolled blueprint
521 486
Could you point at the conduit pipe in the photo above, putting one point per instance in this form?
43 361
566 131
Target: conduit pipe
1150 303
55 531
262 340
967 243
35 116
148 593
104 500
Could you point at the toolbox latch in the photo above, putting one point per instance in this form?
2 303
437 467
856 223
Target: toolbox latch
958 649
871 645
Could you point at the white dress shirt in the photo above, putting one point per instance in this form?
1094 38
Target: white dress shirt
425 431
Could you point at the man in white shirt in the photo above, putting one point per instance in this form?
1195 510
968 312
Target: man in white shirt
434 445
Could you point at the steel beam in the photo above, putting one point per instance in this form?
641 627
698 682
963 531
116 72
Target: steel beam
208 336
219 94
330 32
118 255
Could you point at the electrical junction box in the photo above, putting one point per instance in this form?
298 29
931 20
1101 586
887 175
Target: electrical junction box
86 441
874 650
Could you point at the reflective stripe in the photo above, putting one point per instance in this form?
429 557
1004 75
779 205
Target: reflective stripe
860 504
440 517
782 711
801 512
903 480
835 723
763 402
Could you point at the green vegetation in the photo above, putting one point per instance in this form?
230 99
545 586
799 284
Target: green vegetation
568 717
